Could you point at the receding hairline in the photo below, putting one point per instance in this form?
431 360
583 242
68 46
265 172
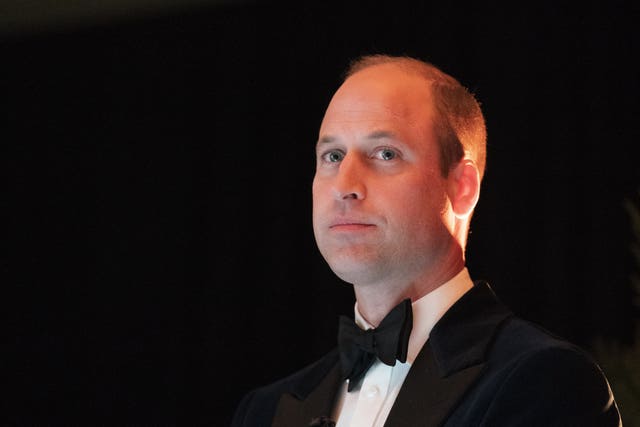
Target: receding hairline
410 65
460 123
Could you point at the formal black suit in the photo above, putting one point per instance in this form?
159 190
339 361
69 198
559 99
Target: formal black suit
481 366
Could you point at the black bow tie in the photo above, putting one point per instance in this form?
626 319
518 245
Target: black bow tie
389 341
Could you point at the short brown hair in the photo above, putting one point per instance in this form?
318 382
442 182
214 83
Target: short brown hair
459 123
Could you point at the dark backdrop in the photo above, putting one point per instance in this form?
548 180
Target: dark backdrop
161 260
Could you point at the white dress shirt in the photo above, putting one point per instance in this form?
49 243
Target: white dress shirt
370 404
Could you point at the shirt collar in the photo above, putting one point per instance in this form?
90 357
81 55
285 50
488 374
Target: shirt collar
428 310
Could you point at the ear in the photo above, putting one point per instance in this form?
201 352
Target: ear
464 187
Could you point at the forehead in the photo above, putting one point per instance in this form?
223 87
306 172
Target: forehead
380 96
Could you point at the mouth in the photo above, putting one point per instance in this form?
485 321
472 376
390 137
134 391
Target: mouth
350 226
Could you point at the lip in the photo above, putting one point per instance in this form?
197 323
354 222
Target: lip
350 227
345 224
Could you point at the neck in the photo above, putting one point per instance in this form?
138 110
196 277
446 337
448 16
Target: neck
375 301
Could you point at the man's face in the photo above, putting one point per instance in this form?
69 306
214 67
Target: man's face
380 206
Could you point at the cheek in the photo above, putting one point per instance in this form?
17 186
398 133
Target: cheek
318 199
420 194
315 188
421 205
316 194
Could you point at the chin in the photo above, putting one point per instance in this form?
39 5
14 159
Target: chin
356 272
353 261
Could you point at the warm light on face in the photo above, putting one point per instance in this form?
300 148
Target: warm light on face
380 207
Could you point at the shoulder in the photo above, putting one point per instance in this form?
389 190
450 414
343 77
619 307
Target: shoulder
258 406
536 375
517 337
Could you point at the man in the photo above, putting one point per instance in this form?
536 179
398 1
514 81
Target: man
400 158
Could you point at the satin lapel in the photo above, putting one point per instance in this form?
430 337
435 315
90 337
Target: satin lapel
427 397
299 411
451 360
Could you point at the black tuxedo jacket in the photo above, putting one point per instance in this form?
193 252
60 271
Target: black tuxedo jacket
481 366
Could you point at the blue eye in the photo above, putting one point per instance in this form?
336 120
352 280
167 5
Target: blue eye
333 156
386 154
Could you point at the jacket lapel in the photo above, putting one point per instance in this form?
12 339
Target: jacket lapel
451 360
310 397
427 397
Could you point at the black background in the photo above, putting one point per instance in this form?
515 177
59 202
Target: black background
161 260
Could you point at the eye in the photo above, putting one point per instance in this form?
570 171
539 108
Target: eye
332 156
386 154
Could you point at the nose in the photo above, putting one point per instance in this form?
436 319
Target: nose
349 181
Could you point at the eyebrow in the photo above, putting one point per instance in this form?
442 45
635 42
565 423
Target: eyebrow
379 134
382 134
327 139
